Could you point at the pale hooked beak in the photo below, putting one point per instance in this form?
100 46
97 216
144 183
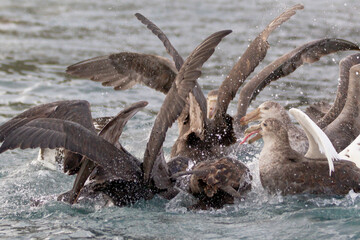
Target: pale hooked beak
251 116
255 129
211 113
211 109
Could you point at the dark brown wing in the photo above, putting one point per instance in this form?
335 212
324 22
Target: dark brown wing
75 110
176 98
346 128
253 55
345 65
178 60
160 172
123 70
288 63
111 133
54 133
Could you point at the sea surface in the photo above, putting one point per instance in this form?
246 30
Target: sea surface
40 38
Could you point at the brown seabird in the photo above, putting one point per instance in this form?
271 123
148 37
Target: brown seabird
55 125
285 171
297 138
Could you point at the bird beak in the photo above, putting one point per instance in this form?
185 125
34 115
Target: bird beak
211 108
255 129
211 113
250 117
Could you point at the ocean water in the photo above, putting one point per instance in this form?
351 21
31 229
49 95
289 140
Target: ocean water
38 39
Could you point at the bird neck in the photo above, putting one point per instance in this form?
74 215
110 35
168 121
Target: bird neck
275 148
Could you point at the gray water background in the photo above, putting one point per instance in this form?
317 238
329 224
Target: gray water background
38 39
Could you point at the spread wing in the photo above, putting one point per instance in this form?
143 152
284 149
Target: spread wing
253 55
288 63
54 133
320 145
178 60
111 133
123 70
175 100
75 110
341 95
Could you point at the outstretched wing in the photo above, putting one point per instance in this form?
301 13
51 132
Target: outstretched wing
178 60
74 110
253 55
123 70
54 133
176 98
341 95
111 133
320 145
288 63
345 127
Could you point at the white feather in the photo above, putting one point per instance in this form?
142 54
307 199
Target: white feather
352 152
49 158
319 144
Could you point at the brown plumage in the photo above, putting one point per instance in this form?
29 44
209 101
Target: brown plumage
341 131
318 110
346 127
250 59
122 178
54 131
124 70
201 138
342 90
288 63
216 183
221 126
270 109
175 100
285 171
74 110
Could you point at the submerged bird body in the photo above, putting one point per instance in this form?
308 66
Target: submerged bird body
216 183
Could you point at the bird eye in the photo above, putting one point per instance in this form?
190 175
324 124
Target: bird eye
264 124
266 108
